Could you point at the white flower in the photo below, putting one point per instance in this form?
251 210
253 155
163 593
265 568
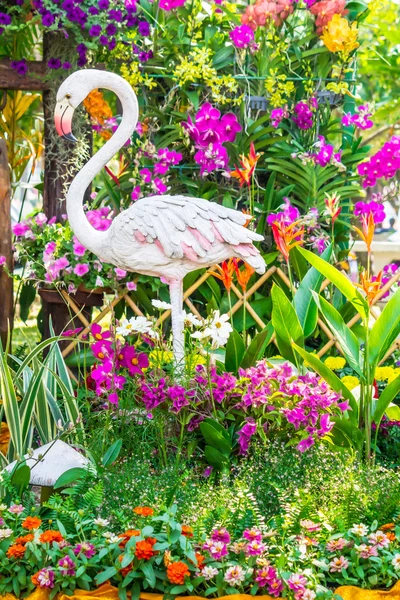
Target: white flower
3 507
308 595
379 539
101 522
99 282
219 329
191 320
210 572
111 537
396 562
135 325
161 305
359 529
5 533
198 335
235 575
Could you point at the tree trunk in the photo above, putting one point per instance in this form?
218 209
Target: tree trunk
6 282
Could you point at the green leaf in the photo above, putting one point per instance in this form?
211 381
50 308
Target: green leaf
285 323
393 412
346 434
26 299
234 352
257 347
385 330
216 459
343 284
112 453
216 439
304 303
104 575
312 360
384 400
20 478
70 476
149 574
345 337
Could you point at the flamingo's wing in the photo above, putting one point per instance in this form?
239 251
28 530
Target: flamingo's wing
188 227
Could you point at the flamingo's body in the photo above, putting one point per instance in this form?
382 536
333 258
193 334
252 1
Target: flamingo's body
162 236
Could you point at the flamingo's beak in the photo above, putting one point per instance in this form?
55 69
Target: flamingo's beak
63 120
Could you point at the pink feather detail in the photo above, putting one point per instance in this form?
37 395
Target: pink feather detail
200 238
217 234
139 236
159 245
246 249
189 252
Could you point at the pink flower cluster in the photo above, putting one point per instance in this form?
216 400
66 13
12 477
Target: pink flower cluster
363 209
242 36
264 12
383 163
304 400
324 11
268 577
113 357
302 116
360 119
326 153
23 229
169 5
209 132
164 159
277 116
100 218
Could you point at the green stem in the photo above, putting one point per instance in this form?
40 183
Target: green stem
244 319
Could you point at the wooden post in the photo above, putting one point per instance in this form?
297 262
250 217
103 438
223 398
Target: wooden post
6 282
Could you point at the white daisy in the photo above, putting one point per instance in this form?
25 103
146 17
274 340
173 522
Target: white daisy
5 533
161 305
101 522
209 572
359 529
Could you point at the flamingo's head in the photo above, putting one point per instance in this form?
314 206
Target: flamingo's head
71 93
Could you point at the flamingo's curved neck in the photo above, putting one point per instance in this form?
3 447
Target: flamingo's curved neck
93 240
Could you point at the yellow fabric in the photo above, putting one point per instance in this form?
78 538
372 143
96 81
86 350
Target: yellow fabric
109 592
349 592
4 438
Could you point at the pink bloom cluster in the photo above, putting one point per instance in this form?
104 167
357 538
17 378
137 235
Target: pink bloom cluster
303 115
100 218
169 5
324 11
268 577
242 36
164 159
363 209
360 119
383 163
23 229
304 400
388 272
209 132
326 153
277 116
287 216
263 12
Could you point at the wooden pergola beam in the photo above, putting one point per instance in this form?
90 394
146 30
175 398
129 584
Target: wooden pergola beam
31 81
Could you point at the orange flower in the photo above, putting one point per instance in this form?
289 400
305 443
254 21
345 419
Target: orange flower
287 237
16 551
50 536
248 164
368 230
34 578
387 527
126 536
144 511
200 560
177 571
144 550
97 107
226 270
332 206
371 286
24 539
391 536
167 558
243 277
187 531
125 570
31 523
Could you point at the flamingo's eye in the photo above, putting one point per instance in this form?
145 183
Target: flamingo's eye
68 96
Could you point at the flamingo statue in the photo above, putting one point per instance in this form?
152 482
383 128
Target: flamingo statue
161 236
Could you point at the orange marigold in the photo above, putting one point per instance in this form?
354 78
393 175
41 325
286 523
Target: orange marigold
391 536
144 550
387 527
200 560
24 539
34 578
126 536
177 571
16 551
52 535
31 523
144 511
187 531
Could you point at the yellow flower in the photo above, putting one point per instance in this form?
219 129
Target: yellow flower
350 381
339 36
193 360
158 358
335 363
386 373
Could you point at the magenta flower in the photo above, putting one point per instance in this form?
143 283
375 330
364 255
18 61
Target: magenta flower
135 194
72 332
255 548
98 333
45 578
85 548
40 219
229 127
277 116
242 36
275 587
101 350
363 209
159 186
245 434
253 535
3 260
216 549
120 273
297 582
81 269
78 249
303 116
131 286
146 175
169 5
134 362
214 157
67 566
289 215
221 535
20 229
113 398
265 575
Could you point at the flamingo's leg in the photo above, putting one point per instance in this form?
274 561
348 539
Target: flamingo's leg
176 295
